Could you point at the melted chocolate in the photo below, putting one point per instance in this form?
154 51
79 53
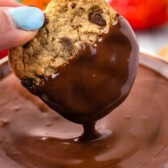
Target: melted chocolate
135 135
91 85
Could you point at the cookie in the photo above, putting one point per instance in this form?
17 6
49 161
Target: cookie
69 27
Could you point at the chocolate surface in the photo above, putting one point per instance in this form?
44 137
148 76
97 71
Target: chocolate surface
95 82
134 135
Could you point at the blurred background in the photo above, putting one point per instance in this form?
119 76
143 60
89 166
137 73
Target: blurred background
148 18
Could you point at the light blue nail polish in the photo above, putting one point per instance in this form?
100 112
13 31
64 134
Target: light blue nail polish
28 18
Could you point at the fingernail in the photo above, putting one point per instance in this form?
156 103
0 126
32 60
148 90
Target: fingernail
27 18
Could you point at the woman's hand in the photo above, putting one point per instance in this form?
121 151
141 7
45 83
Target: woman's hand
18 23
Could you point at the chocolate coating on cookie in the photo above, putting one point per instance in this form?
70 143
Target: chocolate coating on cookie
93 84
29 84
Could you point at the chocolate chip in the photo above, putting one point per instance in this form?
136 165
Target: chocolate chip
73 5
116 16
26 45
42 77
67 44
46 21
95 16
29 84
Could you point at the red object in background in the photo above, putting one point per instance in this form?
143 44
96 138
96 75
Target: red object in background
142 14
38 3
3 53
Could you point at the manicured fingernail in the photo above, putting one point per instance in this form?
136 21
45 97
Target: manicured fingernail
27 18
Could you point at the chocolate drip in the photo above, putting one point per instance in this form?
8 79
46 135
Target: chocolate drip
91 85
90 133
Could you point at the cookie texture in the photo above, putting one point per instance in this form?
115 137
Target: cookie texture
69 26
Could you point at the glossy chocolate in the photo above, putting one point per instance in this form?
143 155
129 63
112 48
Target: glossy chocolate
135 135
95 82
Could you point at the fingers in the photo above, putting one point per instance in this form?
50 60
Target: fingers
19 25
9 3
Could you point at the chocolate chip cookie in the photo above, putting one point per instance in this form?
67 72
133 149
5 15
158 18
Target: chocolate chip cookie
69 27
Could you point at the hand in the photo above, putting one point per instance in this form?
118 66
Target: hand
18 23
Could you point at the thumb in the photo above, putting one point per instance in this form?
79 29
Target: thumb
19 25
